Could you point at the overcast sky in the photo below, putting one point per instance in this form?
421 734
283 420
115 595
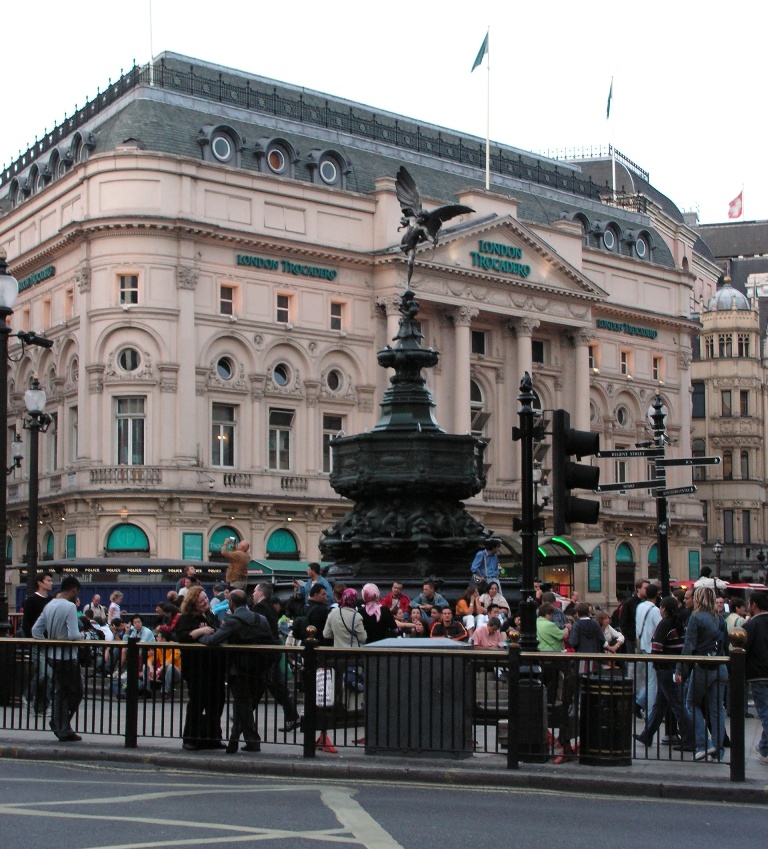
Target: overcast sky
688 90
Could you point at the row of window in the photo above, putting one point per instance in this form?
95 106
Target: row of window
722 343
610 236
727 399
626 363
59 162
730 520
277 156
700 472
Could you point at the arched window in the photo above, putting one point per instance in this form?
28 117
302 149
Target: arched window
625 570
727 465
127 538
478 416
745 465
282 545
698 449
220 536
9 550
48 545
653 562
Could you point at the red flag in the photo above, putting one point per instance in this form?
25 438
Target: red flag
735 207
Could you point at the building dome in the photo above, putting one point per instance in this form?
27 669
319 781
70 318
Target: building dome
728 298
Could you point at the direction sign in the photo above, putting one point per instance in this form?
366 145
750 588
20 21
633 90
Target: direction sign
632 452
679 490
659 483
690 461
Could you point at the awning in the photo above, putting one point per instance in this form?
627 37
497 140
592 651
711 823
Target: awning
556 549
280 569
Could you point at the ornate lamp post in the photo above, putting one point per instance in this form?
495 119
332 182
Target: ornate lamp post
17 453
9 291
717 550
36 422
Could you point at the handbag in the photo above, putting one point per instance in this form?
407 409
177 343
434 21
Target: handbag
354 677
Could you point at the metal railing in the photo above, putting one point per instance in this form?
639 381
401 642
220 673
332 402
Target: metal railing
526 707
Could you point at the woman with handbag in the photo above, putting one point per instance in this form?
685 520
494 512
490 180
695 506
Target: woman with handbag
344 624
706 636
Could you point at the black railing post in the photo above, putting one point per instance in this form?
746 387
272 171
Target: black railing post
513 703
132 693
310 692
736 670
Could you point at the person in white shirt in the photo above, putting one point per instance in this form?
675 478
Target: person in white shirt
58 621
647 617
706 580
98 609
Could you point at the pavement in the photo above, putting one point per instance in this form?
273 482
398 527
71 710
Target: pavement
647 777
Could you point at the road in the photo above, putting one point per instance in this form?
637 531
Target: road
70 806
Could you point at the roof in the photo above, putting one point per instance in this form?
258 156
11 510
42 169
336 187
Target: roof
728 298
736 238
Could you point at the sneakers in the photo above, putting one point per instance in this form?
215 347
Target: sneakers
700 754
762 759
323 744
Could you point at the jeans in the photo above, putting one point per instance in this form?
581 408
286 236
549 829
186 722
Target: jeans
67 682
39 679
708 686
669 695
760 695
646 686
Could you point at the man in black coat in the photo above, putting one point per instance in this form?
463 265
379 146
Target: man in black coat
628 615
246 670
277 681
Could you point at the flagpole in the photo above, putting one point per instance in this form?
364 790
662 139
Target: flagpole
488 120
611 145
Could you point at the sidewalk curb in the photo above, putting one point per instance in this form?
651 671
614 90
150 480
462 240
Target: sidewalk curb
432 772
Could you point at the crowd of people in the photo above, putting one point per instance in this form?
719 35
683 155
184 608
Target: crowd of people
696 621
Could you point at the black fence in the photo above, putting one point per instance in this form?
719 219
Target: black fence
448 702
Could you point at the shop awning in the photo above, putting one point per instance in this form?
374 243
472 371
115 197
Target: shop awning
280 569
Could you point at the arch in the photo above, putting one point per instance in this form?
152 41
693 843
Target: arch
220 143
9 549
276 156
220 536
49 543
653 562
624 553
285 349
127 537
282 545
727 465
625 569
227 342
334 357
131 334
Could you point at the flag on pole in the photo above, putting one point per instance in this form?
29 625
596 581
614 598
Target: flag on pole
610 97
736 206
481 54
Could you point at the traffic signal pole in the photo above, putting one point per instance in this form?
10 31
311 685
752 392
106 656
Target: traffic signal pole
662 521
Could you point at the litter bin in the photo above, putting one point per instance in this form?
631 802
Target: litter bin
605 731
419 704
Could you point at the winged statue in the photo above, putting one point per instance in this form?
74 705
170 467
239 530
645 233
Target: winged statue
419 224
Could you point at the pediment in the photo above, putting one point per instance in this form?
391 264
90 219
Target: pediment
507 253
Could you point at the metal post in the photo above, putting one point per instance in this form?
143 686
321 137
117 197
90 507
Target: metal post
513 705
310 692
736 673
528 534
5 332
30 558
132 694
662 522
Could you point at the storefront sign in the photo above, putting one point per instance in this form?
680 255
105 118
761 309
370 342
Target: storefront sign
623 327
286 266
36 278
495 256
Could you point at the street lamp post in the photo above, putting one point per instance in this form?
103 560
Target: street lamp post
657 413
36 423
9 291
717 550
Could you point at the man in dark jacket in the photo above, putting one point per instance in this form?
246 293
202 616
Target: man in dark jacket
628 615
757 664
246 670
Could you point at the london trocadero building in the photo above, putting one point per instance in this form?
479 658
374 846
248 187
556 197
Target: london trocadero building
215 256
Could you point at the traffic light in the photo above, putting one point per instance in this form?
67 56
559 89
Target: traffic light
567 475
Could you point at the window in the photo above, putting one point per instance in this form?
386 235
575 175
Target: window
622 416
478 416
334 380
725 403
69 304
728 526
225 368
743 344
283 313
609 239
129 288
337 316
281 374
641 247
129 359
332 426
227 300
624 362
537 351
478 342
276 159
746 527
698 400
223 435
621 471
698 447
725 345
280 424
46 313
727 465
74 424
744 402
593 359
222 147
130 431
745 465
709 347
53 443
656 368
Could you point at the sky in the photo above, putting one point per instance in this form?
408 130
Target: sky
687 78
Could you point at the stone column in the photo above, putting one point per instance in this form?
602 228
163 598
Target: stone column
462 320
524 328
185 389
313 463
685 407
581 340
